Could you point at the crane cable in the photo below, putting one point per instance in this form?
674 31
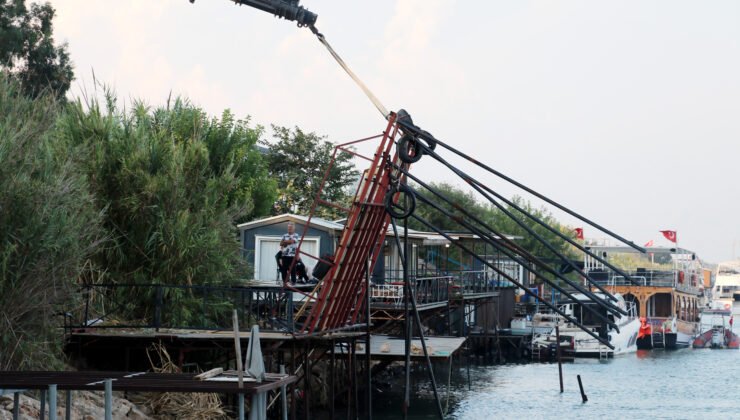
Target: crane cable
370 95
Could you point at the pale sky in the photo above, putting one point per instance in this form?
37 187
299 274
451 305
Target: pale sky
627 112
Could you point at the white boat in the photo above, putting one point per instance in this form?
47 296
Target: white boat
716 328
540 323
727 284
584 345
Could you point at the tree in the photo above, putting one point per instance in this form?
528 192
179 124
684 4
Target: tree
298 161
466 200
508 225
172 183
49 228
494 217
28 51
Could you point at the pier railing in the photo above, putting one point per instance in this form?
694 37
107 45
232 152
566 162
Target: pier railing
181 307
426 290
433 288
467 281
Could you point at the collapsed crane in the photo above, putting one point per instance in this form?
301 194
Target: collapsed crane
384 197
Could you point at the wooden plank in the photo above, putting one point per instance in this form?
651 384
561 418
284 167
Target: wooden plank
209 374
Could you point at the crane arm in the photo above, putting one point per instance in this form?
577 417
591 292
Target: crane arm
286 9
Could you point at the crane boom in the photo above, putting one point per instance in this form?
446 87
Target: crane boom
286 9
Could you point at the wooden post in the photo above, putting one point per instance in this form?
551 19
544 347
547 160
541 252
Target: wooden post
238 349
583 394
560 361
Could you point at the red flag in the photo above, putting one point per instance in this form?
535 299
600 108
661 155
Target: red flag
670 235
650 243
579 233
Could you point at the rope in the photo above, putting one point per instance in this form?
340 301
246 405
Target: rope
370 95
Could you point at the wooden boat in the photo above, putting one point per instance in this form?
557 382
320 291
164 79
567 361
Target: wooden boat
669 298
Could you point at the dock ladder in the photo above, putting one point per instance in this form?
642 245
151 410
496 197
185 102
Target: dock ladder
658 340
603 352
534 350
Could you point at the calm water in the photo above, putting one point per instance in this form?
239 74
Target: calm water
648 384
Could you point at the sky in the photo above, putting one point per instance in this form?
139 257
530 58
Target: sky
626 112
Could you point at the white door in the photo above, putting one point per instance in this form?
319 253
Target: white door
265 266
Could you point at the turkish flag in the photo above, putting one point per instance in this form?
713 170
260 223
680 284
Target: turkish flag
670 235
579 233
650 243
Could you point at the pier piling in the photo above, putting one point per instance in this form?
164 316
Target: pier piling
580 385
560 360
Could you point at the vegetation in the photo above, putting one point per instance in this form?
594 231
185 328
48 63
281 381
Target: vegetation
28 51
298 161
49 228
95 194
172 184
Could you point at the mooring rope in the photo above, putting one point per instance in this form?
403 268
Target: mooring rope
370 95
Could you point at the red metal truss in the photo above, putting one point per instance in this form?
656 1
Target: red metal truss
341 295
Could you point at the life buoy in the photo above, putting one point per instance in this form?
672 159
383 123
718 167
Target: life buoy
680 276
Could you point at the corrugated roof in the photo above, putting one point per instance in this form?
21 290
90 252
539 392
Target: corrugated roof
315 222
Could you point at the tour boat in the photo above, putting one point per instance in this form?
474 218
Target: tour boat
668 296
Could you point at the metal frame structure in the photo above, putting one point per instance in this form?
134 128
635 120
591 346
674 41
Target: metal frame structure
339 301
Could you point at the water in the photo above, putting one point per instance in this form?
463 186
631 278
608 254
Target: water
682 384
656 384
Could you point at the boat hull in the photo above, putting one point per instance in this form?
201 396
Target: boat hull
668 341
710 339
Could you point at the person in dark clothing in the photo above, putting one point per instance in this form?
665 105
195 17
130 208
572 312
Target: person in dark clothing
300 271
278 260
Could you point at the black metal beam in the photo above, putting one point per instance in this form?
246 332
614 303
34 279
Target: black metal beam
514 281
510 243
416 130
486 237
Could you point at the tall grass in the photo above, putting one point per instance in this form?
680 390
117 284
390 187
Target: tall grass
173 183
49 227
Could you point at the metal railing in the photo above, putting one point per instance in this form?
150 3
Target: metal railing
181 307
653 278
468 281
427 290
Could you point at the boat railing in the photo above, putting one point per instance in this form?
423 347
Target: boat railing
675 279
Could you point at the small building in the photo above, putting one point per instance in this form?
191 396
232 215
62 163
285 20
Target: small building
431 253
260 241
